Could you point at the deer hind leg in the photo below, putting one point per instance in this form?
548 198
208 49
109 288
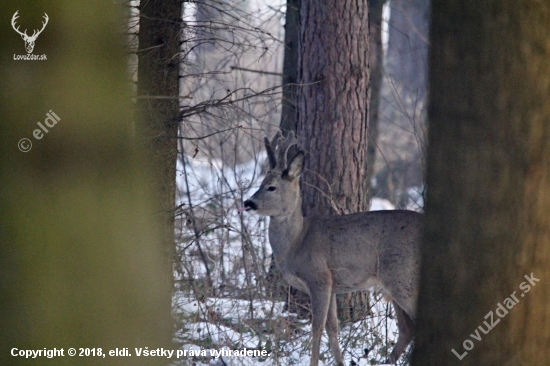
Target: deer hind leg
332 331
320 303
405 324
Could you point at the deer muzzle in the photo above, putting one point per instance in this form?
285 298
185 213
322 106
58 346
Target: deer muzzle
250 205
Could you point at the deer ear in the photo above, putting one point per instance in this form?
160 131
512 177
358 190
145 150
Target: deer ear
295 167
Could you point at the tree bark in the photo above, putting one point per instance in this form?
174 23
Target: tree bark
158 75
333 105
488 203
333 110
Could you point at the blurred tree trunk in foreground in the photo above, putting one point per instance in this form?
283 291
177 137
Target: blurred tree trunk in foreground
82 263
487 238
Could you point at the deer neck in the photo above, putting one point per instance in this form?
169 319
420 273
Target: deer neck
285 231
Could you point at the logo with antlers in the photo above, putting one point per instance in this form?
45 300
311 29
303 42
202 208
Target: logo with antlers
29 40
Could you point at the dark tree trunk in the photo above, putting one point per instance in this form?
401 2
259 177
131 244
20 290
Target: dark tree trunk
408 47
488 204
332 112
376 65
403 109
158 70
296 301
290 66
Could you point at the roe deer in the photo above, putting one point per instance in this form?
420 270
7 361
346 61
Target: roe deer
324 256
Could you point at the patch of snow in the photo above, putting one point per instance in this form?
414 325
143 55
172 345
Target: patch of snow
379 204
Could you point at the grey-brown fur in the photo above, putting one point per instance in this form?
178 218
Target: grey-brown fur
324 256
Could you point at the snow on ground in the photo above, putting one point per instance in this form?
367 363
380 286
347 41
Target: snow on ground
234 310
225 323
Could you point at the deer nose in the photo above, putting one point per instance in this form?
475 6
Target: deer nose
249 205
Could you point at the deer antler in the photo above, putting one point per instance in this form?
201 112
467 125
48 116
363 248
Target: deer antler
277 149
270 149
24 34
37 32
286 144
13 19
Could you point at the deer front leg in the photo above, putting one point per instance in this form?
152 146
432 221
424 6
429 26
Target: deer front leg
320 302
332 331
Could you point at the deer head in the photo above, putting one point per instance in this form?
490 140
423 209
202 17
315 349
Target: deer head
29 40
279 192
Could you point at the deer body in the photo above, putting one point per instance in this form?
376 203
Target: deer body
352 247
324 256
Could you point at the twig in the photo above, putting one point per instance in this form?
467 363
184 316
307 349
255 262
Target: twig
195 229
210 134
256 71
174 97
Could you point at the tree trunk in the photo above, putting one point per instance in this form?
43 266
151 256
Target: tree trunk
403 104
296 301
376 65
333 110
333 106
488 206
158 70
290 66
408 47
81 261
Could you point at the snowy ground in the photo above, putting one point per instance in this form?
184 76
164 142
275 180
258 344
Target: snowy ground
225 324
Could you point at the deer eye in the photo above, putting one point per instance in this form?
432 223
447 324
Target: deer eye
271 189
